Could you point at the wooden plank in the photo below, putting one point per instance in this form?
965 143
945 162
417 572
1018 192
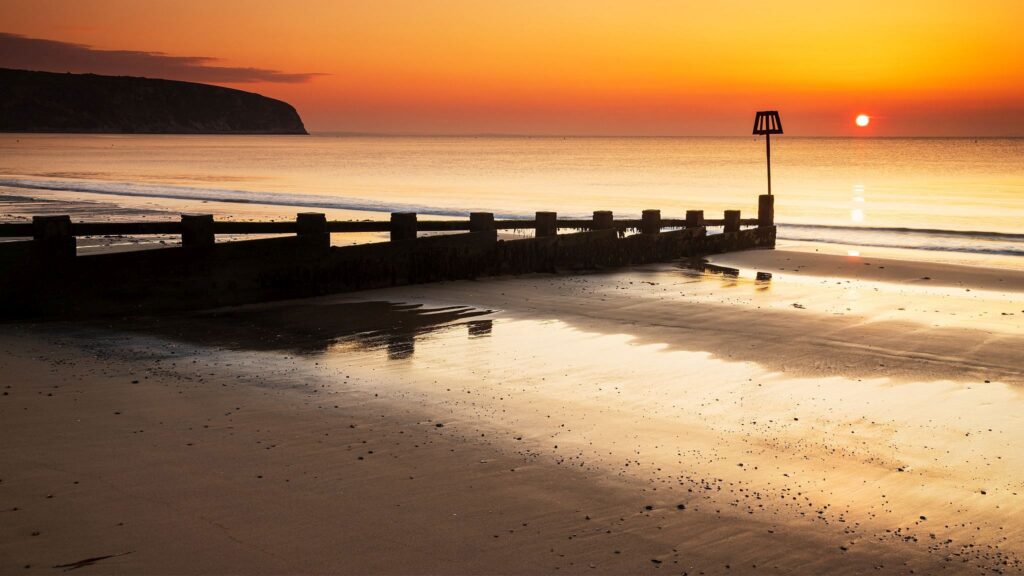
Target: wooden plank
124 228
576 224
16 230
339 226
255 227
442 225
515 224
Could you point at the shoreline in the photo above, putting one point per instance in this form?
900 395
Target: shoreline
20 205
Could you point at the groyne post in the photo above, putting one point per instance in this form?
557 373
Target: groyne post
765 211
481 221
53 237
403 226
311 228
650 222
547 224
694 218
197 230
603 220
732 220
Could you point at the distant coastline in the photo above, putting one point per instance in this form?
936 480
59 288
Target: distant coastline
47 102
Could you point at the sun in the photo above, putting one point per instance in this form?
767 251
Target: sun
863 120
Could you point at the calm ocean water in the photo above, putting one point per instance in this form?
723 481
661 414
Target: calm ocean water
963 195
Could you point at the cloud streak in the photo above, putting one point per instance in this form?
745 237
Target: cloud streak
26 53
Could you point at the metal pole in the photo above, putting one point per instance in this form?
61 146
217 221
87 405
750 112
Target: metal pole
768 153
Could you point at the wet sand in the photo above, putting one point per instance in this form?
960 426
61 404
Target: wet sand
848 417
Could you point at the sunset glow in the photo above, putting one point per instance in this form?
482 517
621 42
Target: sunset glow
575 66
863 120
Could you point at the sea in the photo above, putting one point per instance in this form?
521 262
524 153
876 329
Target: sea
922 195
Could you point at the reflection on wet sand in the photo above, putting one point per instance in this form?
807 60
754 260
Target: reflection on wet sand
401 345
313 327
727 397
729 276
480 328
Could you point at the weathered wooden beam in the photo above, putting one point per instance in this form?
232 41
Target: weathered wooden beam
765 210
576 224
481 221
403 226
53 238
515 224
650 222
547 224
364 226
124 228
16 230
732 221
442 225
694 218
197 230
311 228
255 227
603 220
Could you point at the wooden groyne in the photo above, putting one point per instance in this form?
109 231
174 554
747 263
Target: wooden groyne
45 277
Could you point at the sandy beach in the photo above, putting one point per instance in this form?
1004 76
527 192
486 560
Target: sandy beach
851 415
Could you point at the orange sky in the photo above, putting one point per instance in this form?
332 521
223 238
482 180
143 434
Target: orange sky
940 67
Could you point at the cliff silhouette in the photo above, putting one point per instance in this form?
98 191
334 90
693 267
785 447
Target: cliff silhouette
88 103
